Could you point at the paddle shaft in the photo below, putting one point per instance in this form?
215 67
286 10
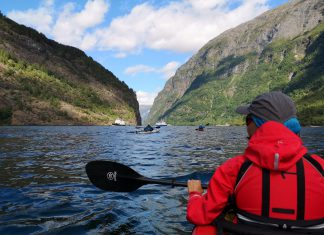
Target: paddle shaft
171 182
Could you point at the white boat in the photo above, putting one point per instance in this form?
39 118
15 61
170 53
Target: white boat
119 122
161 123
226 124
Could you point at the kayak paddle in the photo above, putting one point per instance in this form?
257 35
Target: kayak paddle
116 177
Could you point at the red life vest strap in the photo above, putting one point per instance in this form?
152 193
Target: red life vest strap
265 192
242 171
314 163
300 189
300 171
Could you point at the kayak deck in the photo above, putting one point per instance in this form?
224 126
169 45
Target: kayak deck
148 132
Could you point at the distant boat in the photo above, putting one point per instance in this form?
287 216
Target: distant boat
119 122
226 124
161 123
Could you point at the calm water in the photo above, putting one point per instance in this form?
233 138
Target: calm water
44 188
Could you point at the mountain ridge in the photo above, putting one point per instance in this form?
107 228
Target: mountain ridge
229 55
44 82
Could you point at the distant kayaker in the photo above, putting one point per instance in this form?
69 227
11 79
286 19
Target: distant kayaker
200 128
275 181
148 128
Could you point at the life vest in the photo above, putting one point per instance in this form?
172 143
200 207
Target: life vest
286 199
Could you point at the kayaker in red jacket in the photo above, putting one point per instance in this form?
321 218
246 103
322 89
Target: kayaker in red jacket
279 183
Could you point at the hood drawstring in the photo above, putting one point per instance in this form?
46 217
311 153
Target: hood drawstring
276 161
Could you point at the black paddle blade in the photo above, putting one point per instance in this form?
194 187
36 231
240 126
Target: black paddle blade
113 176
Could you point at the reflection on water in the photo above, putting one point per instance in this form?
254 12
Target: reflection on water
44 187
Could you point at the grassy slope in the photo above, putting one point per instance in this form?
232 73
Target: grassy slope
67 88
26 85
283 65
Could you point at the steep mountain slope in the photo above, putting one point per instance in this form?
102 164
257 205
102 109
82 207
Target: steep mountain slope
144 111
280 50
44 82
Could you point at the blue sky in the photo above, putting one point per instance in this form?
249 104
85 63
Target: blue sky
142 42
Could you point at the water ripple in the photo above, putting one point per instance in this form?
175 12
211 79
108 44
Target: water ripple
45 190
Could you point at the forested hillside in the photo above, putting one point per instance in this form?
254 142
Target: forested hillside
283 49
44 82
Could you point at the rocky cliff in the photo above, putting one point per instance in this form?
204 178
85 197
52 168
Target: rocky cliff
281 49
44 82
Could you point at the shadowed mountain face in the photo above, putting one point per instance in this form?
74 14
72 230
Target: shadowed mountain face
44 82
144 111
280 50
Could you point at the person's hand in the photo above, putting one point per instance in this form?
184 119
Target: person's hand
194 186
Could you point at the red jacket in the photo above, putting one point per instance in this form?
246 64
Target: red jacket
273 147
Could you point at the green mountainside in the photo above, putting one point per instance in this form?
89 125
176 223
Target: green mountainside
43 82
283 49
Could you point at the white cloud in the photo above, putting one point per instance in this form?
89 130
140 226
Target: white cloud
181 26
206 4
168 70
40 19
67 26
88 41
145 98
139 69
120 55
71 27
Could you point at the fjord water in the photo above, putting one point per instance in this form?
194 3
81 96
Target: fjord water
44 188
